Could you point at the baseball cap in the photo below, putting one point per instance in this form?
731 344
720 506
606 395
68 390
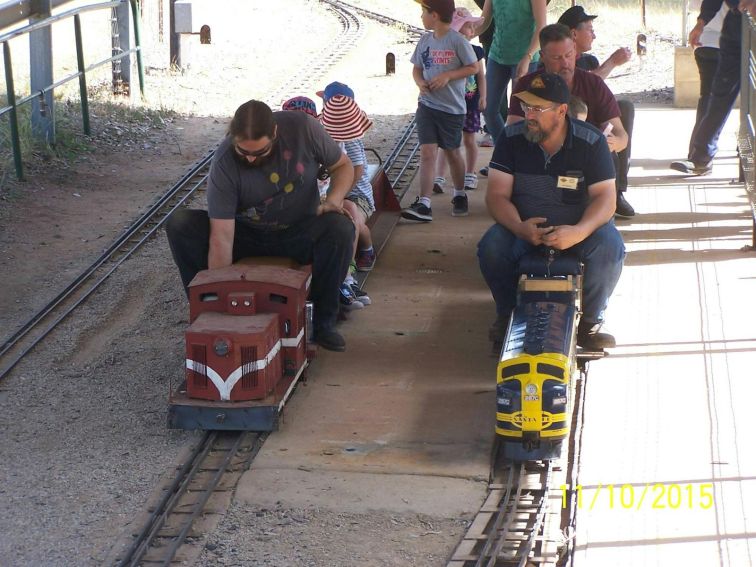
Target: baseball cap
334 89
444 8
545 89
462 16
574 16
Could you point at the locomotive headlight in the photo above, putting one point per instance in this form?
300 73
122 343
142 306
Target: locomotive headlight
531 389
222 346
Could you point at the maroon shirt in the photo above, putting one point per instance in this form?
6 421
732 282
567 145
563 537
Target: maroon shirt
602 106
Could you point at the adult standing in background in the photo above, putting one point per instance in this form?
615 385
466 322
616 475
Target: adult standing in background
581 27
707 60
513 49
725 86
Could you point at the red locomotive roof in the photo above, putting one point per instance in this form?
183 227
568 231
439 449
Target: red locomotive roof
284 276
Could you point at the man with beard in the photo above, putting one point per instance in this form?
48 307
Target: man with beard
558 54
263 200
551 183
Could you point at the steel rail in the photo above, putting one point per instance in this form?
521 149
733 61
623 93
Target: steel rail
135 550
410 29
117 253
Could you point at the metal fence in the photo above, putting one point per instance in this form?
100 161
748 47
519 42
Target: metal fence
13 104
747 133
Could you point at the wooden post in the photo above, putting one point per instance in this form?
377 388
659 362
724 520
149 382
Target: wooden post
390 63
124 44
41 73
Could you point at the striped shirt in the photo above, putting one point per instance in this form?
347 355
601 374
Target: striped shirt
355 151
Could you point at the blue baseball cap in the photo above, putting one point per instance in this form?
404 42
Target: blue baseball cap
335 89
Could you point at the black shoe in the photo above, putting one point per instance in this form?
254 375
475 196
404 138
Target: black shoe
417 212
691 168
589 337
624 209
330 340
483 171
459 206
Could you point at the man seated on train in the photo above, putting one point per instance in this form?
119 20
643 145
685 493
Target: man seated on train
551 184
263 200
558 53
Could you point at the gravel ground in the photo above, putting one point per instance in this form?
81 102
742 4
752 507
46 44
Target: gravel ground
83 441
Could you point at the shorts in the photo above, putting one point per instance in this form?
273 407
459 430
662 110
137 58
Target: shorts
439 127
472 118
362 203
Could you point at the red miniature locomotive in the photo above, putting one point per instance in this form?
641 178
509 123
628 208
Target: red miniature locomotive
246 345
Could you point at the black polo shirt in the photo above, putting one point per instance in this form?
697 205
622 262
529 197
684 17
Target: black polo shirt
554 187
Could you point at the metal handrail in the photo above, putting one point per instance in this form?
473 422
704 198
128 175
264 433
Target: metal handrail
13 104
56 18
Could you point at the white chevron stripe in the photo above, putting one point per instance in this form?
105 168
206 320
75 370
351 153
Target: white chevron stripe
294 341
225 386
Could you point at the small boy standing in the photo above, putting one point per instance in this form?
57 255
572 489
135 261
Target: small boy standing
475 98
442 60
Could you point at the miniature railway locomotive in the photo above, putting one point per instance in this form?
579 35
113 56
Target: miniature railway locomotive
538 358
246 345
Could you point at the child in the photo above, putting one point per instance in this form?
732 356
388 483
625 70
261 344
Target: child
577 109
350 297
442 60
475 99
347 123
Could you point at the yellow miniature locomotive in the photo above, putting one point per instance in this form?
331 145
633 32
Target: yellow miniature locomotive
537 359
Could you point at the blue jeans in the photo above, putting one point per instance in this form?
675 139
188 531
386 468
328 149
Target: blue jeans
498 77
725 87
499 253
707 61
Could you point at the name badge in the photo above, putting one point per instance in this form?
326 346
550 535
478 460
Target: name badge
566 182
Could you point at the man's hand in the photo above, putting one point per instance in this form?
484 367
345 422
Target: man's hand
562 237
329 207
621 56
424 88
531 232
747 6
438 82
613 142
522 67
694 37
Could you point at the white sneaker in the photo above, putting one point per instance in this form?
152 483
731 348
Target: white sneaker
438 184
471 181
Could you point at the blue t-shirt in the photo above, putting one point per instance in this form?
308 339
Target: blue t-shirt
584 155
439 55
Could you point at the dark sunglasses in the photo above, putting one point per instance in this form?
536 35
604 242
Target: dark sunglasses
258 153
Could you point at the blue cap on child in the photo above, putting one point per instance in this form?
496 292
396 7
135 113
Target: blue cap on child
335 89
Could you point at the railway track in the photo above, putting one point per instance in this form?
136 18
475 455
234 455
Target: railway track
219 459
211 471
528 518
401 164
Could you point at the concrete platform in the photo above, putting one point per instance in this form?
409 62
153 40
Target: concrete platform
667 466
404 419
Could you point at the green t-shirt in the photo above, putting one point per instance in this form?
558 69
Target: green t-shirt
514 29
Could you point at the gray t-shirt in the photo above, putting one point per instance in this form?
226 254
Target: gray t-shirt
438 55
280 193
